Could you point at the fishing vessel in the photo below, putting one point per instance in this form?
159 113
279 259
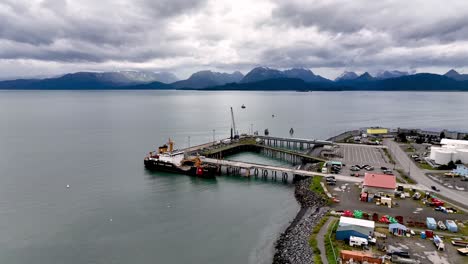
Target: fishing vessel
169 160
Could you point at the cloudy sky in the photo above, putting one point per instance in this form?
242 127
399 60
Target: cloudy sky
50 37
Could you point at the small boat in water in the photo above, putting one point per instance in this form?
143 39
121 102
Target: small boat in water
169 160
243 106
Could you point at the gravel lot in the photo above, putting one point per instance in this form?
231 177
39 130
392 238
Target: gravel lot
449 182
348 194
425 251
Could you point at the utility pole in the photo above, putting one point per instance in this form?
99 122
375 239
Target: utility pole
409 168
251 129
214 130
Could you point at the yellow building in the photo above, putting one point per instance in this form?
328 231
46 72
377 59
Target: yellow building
377 131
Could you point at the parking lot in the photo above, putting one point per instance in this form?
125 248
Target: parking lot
363 155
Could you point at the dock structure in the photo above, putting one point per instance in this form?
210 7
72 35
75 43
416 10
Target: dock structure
219 151
289 155
293 143
247 169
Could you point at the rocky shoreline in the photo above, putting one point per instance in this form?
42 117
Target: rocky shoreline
293 244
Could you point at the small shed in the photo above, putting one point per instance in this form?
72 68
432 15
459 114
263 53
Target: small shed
397 229
451 226
431 223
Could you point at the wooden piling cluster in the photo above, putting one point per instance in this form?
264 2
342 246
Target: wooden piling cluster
256 173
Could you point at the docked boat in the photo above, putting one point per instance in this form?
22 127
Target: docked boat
169 160
460 243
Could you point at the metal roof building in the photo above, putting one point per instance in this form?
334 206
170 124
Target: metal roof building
374 183
349 226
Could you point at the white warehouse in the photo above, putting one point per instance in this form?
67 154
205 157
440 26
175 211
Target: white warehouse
451 150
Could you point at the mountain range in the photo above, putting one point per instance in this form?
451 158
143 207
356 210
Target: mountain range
203 79
259 78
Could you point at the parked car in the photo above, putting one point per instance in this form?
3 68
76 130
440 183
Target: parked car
388 172
354 168
384 168
435 188
331 182
355 174
330 177
400 188
369 168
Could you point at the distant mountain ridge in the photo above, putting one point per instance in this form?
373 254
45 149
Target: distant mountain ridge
265 73
390 74
259 78
365 82
91 80
345 76
456 76
203 79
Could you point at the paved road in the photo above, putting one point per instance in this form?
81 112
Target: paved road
417 174
321 239
292 171
361 145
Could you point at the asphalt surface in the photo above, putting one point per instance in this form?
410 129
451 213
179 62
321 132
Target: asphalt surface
419 175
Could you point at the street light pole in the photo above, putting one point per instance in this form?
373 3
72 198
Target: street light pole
251 129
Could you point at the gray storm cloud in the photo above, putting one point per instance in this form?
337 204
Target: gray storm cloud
52 36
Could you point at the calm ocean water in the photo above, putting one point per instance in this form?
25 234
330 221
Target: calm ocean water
117 212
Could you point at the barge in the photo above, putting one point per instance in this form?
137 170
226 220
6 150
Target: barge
169 160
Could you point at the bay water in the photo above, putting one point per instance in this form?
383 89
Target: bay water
115 211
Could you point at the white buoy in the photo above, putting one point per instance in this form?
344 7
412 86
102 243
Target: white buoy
68 185
110 219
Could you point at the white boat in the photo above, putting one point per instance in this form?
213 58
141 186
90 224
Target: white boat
441 225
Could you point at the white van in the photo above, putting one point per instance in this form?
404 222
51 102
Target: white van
357 241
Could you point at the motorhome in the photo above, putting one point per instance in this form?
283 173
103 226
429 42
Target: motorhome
357 241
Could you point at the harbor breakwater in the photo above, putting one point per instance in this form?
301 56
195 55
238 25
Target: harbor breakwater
293 244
